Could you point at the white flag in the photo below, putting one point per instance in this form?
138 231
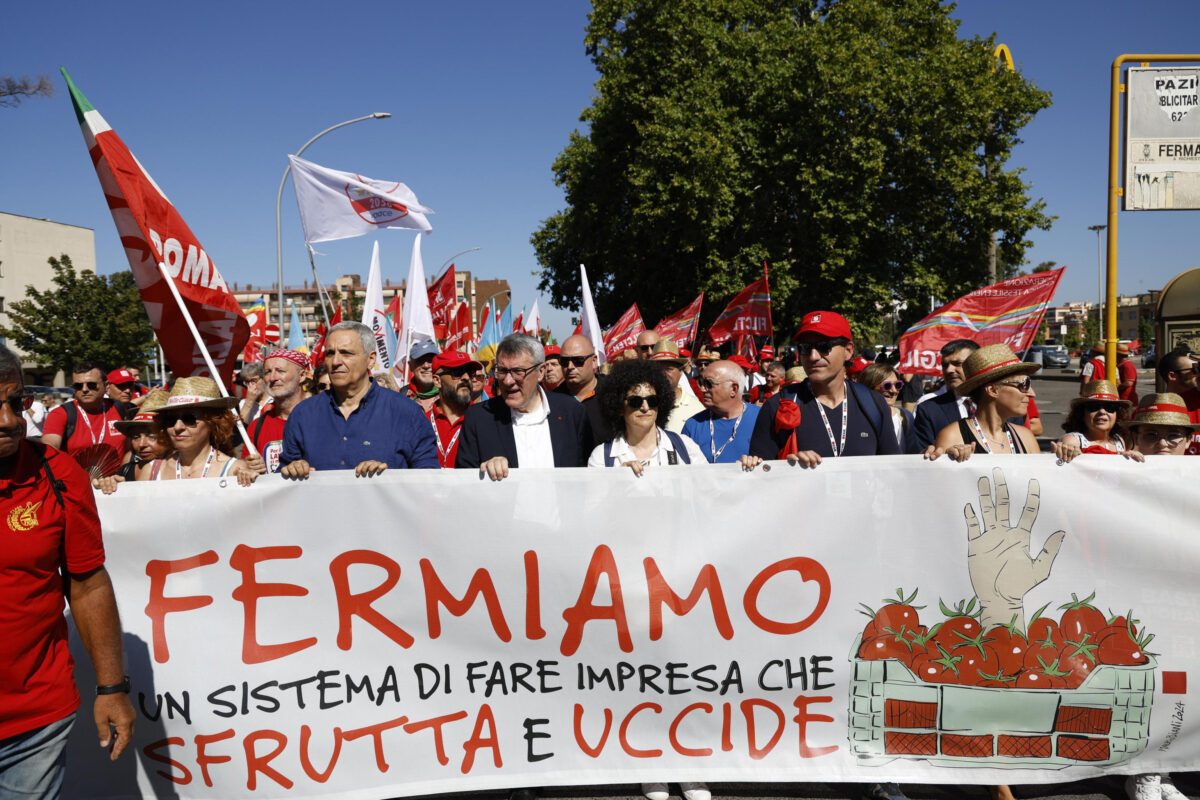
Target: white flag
338 205
375 315
590 323
417 320
532 324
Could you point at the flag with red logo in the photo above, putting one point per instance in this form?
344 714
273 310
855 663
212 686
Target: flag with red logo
623 335
395 313
256 316
338 205
443 298
681 327
458 331
748 314
318 351
152 231
1009 312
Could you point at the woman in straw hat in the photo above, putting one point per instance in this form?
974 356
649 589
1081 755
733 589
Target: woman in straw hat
1092 421
199 425
1000 386
1161 426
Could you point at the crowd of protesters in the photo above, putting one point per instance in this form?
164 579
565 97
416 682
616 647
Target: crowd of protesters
545 406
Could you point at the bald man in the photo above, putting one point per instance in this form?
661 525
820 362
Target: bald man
580 380
645 343
724 427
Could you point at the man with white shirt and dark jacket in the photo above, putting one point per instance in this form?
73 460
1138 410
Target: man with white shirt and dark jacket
945 407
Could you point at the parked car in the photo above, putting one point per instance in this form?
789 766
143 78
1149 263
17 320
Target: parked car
1149 358
1051 357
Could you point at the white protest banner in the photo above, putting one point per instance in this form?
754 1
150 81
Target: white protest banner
584 626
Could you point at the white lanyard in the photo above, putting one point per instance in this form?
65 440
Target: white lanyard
837 451
437 437
212 454
87 421
1012 446
712 444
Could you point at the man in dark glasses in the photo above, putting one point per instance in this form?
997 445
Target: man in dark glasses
827 415
89 418
645 343
581 378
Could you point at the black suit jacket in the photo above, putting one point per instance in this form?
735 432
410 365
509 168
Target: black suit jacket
935 414
487 432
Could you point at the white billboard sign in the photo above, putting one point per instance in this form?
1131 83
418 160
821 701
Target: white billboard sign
1162 138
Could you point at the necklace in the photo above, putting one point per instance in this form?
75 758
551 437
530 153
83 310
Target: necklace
212 454
833 444
712 442
987 447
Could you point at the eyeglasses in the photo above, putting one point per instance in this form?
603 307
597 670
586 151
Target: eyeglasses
89 385
636 401
891 386
1021 386
823 347
575 361
519 373
645 348
188 418
705 383
1172 438
1111 408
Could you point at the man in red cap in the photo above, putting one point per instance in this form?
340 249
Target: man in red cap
88 419
552 373
122 388
825 416
283 372
452 374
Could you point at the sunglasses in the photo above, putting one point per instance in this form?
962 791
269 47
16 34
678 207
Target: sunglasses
1172 438
1021 386
705 383
1111 408
188 418
891 386
824 347
635 401
17 403
89 385
574 361
457 372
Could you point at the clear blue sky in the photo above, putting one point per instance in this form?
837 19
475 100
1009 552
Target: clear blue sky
211 97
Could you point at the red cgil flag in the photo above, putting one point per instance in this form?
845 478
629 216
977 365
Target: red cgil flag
152 231
748 314
1009 312
443 298
256 316
458 331
317 357
682 326
623 335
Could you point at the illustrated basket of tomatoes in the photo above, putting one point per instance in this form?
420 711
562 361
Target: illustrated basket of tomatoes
948 696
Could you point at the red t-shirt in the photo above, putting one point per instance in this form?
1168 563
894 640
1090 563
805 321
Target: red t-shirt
1032 412
1127 372
1191 398
447 436
266 431
37 537
90 429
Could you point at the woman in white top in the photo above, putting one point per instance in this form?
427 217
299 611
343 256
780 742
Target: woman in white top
636 399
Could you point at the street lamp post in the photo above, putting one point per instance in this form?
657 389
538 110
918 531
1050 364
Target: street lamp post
279 202
1100 305
456 255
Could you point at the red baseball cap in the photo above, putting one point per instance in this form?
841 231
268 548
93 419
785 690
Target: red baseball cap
742 362
767 352
553 350
857 365
827 323
119 376
452 359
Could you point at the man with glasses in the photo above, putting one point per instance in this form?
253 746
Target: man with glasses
357 424
581 380
826 415
944 407
1178 372
88 419
121 389
452 375
723 429
522 426
645 343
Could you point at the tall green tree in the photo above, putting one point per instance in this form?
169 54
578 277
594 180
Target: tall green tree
85 317
844 142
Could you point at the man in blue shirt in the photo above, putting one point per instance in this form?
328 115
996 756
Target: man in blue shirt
724 427
357 424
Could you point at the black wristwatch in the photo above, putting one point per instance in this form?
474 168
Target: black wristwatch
115 688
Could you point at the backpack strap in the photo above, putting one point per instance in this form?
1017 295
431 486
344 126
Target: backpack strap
867 405
72 412
56 485
609 461
680 450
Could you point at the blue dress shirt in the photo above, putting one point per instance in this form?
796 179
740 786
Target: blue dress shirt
386 427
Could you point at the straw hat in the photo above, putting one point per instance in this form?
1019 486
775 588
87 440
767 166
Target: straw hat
795 375
1162 409
156 399
196 393
1100 391
665 352
990 364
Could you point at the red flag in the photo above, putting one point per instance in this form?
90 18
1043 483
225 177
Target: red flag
578 328
681 327
623 335
317 357
443 298
256 316
458 331
747 314
1009 312
151 231
395 312
517 324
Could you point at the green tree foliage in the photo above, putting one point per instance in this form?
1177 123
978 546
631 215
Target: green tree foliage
842 141
84 317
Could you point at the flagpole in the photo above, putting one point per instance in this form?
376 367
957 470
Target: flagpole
317 281
187 317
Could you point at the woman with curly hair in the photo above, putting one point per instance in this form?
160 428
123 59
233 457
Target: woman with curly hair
198 422
636 399
1092 422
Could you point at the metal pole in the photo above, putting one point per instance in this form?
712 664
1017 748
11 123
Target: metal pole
456 255
1100 278
279 201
